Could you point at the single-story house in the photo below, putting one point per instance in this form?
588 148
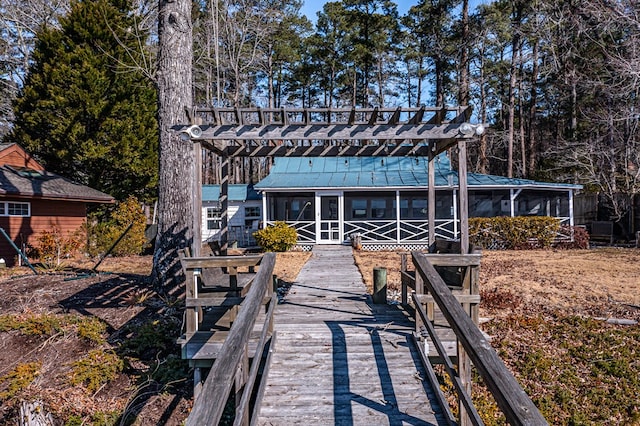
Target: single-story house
244 215
384 199
33 200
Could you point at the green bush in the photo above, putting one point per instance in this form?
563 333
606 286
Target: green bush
103 234
522 232
96 369
279 237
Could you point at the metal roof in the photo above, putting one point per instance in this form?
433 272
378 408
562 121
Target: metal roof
237 192
381 172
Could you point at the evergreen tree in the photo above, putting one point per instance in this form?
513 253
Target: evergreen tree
85 111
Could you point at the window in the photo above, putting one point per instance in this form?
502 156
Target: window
359 209
213 217
251 212
251 217
419 208
15 209
378 209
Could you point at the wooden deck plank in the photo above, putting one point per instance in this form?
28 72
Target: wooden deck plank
341 360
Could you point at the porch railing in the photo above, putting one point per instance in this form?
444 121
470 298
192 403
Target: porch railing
387 231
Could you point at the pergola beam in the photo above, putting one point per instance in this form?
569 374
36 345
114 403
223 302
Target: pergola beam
319 132
389 150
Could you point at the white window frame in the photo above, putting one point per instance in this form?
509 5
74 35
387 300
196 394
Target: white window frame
5 208
258 215
214 216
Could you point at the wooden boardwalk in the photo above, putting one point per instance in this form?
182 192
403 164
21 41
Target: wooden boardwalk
340 360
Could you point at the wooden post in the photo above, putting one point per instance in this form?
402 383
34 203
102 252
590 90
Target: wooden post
403 268
419 290
196 245
463 196
431 200
197 382
380 285
224 207
464 362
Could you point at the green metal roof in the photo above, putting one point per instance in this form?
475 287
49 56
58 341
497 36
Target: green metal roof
237 192
380 172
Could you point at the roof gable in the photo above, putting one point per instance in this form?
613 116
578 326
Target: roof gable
12 154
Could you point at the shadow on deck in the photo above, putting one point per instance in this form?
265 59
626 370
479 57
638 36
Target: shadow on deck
339 358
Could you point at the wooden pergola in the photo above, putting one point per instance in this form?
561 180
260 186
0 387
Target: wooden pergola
328 132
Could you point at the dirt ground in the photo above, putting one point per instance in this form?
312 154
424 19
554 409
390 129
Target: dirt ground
121 296
596 283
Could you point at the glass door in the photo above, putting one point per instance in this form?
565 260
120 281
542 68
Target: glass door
329 220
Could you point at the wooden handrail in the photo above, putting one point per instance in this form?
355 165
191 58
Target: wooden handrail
448 365
209 405
509 395
191 263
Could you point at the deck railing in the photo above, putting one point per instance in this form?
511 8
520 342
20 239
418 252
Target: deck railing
508 394
235 370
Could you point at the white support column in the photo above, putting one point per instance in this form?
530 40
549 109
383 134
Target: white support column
455 213
431 200
265 216
512 201
398 216
571 223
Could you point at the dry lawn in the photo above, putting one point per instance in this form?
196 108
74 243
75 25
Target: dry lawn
599 282
523 291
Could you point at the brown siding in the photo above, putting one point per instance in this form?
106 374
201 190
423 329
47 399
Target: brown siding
15 156
66 216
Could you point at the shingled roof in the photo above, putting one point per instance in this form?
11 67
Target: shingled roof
22 182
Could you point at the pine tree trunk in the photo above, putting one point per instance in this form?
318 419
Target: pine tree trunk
175 195
463 97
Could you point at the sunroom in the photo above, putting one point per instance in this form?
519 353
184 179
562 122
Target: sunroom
384 202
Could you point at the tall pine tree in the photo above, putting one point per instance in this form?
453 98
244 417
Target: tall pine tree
85 110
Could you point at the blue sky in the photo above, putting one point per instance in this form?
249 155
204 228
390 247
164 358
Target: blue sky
311 7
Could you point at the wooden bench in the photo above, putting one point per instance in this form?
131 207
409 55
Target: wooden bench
215 288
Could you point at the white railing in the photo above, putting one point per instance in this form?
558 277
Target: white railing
418 230
372 230
410 230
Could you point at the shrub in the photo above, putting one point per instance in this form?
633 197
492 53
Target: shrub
19 378
33 325
52 246
98 368
580 238
102 235
522 232
92 329
279 237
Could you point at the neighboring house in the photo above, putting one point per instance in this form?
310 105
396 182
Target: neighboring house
331 198
245 213
33 200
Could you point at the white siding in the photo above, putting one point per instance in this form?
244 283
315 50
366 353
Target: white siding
236 220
